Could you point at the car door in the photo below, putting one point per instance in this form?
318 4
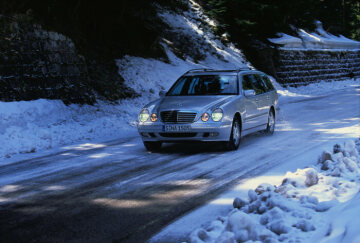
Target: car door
251 117
263 99
271 92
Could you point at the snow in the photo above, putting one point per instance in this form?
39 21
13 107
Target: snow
31 126
300 200
40 125
149 76
346 227
287 40
320 39
292 94
304 207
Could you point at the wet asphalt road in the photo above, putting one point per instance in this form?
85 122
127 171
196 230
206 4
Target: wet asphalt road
118 192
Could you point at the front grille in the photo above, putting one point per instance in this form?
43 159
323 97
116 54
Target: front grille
177 116
169 116
178 134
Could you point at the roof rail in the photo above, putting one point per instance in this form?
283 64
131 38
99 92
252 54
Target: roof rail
224 70
200 69
244 68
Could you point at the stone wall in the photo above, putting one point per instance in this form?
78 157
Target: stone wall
38 63
298 67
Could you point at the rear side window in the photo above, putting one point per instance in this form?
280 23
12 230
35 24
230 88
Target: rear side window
267 82
260 85
251 81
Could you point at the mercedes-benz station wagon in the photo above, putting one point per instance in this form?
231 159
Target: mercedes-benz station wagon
210 105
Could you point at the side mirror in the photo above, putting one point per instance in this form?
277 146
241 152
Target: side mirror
162 93
249 93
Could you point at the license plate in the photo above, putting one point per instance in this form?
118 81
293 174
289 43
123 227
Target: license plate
176 128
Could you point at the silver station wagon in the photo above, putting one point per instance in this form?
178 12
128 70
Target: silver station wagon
210 105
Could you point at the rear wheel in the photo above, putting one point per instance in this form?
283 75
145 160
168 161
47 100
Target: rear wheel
235 136
152 146
270 128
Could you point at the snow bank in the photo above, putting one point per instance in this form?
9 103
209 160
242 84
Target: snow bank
29 126
287 41
288 94
303 208
320 39
149 76
346 227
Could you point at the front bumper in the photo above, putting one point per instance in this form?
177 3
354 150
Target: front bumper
199 131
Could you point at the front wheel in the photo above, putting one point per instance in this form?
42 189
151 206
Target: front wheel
235 136
152 146
270 128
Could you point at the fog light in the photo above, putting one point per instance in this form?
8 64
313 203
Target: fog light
153 117
145 134
214 134
205 117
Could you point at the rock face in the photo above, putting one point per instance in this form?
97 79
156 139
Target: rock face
299 67
313 57
37 63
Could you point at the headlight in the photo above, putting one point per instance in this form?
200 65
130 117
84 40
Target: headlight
153 117
205 117
217 114
144 115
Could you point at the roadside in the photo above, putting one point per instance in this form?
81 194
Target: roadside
109 192
302 207
290 122
36 128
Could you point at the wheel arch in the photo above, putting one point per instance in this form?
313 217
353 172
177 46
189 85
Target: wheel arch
238 116
272 108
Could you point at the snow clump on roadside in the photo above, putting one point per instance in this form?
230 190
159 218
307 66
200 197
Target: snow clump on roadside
292 211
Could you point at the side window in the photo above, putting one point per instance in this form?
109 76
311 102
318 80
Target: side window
267 82
260 85
257 86
246 83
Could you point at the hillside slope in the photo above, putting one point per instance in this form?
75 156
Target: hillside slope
29 126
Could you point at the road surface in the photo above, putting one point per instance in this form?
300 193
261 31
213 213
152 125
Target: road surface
118 192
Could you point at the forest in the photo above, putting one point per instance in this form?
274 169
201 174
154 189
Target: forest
247 19
103 31
127 27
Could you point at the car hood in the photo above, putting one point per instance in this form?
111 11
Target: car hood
195 103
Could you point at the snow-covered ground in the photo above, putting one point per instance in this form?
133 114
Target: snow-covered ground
320 39
309 205
162 185
301 200
32 126
313 197
40 125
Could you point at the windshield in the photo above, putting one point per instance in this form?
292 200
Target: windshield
205 85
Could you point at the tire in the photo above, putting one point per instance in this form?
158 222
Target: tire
152 146
270 127
235 135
